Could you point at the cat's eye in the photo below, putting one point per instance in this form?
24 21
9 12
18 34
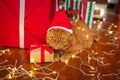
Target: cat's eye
51 38
63 39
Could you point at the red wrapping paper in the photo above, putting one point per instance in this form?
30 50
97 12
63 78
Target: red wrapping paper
36 22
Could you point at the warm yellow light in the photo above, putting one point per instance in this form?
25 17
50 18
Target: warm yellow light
9 77
112 24
83 29
66 61
101 22
87 36
54 72
96 52
35 69
115 26
3 51
115 38
32 60
76 20
31 73
92 68
94 22
78 27
73 56
110 32
89 58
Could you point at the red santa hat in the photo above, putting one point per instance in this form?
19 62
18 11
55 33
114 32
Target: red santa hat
61 21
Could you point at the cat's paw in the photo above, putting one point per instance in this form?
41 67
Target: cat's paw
56 58
65 57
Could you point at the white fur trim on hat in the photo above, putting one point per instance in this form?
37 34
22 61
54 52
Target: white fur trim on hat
61 27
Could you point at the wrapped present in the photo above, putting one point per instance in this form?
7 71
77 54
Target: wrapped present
23 22
86 15
72 5
80 9
40 53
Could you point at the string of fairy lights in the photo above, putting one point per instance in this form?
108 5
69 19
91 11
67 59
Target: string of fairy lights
15 71
4 51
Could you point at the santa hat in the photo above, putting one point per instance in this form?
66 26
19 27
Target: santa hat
61 21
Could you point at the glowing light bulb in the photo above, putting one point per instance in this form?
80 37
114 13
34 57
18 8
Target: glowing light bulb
3 51
92 68
94 22
87 36
101 22
96 52
112 24
76 20
35 69
115 38
73 56
83 29
78 27
115 26
110 32
89 58
54 72
9 77
66 61
31 73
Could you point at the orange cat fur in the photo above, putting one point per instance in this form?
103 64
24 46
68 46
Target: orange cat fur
66 44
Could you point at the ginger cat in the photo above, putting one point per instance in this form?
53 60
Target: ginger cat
66 44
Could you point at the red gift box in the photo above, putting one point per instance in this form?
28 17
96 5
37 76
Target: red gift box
23 22
40 53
